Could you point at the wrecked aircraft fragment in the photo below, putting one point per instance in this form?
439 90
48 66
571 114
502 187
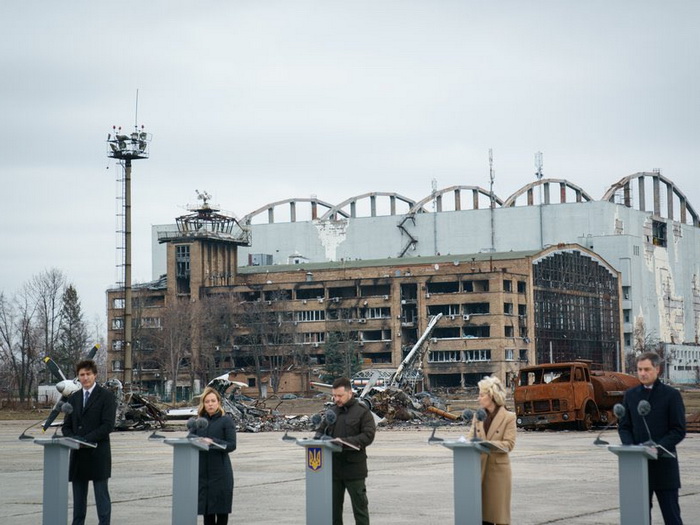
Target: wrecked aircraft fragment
134 411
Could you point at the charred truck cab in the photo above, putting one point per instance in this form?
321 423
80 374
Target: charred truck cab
571 393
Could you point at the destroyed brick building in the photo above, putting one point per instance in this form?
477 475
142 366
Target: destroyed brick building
517 281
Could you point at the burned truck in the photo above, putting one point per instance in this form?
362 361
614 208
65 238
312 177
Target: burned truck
568 394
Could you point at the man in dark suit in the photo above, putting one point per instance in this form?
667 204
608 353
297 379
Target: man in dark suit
666 422
92 419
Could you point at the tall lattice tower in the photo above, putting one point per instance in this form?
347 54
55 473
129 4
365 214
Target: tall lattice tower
126 148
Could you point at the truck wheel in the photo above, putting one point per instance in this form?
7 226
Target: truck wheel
587 422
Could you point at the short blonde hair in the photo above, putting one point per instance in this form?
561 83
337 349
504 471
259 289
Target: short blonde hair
493 387
209 390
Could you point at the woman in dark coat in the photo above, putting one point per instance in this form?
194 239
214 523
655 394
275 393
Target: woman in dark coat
215 471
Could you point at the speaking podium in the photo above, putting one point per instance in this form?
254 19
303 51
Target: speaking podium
186 478
467 478
319 479
634 482
56 461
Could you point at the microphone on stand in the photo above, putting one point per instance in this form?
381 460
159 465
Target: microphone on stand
644 408
194 424
330 418
480 416
432 439
24 436
619 412
66 408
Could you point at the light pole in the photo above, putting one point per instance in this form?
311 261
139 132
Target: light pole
126 148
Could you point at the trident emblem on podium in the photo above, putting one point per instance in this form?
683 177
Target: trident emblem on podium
314 458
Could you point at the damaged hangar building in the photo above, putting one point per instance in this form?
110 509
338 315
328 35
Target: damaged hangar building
547 274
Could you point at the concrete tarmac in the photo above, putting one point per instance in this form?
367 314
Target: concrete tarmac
558 477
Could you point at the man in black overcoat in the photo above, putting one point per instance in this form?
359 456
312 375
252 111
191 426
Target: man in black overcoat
92 419
666 422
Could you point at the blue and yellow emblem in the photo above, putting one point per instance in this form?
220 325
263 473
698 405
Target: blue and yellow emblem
314 458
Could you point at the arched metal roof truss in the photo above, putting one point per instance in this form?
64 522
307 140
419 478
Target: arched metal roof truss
352 203
621 193
270 209
476 192
564 187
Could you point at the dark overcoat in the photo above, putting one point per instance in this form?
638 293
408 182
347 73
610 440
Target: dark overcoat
355 424
94 425
666 423
215 471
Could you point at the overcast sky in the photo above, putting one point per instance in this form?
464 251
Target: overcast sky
257 101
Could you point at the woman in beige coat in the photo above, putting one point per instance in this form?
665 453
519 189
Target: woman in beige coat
499 428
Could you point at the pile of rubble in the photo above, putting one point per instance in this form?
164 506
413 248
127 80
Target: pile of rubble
134 411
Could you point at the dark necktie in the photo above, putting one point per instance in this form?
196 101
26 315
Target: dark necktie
87 396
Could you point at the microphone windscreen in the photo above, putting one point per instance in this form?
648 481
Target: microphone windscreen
316 420
480 414
191 424
330 417
67 408
468 414
643 408
202 423
619 411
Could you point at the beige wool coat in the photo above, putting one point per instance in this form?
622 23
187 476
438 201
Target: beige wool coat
496 476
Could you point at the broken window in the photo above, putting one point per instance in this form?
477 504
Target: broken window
508 308
475 286
444 309
507 285
522 287
182 261
509 331
342 291
375 290
477 355
509 354
449 287
409 292
313 337
476 308
444 356
376 335
118 323
658 230
471 332
278 295
375 313
310 293
446 333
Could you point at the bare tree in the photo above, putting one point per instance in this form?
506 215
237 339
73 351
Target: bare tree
643 342
216 320
19 342
173 340
46 292
267 338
